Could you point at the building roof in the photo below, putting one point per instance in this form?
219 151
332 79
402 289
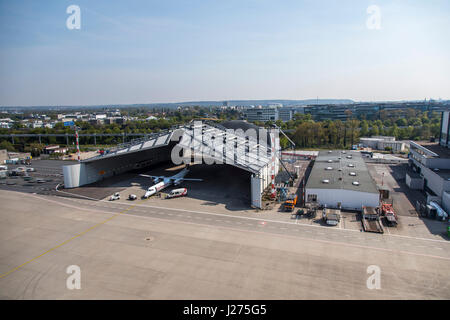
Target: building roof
335 168
434 147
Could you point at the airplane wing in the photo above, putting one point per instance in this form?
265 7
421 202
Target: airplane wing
189 179
153 177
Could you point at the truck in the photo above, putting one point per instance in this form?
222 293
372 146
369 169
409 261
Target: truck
291 201
371 220
331 216
387 211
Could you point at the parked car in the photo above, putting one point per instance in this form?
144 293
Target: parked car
115 196
30 169
39 180
132 197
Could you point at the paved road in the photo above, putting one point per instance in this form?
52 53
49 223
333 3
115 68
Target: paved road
140 251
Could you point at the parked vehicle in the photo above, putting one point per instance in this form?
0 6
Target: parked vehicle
27 178
331 216
40 180
132 197
290 202
177 193
115 196
30 170
387 211
370 220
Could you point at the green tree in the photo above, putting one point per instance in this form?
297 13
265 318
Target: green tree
7 145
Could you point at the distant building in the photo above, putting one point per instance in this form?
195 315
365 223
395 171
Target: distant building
100 116
383 143
55 149
261 114
6 123
370 111
286 114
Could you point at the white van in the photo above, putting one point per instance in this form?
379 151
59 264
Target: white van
177 193
3 168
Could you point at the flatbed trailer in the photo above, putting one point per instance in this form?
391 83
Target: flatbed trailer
370 220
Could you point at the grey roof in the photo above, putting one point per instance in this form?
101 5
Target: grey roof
339 176
250 155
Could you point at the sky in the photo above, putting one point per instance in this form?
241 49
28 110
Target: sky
135 51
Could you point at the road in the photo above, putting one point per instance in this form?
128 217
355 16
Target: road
141 251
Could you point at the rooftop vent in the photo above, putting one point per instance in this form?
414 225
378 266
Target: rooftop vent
352 173
329 168
355 183
325 181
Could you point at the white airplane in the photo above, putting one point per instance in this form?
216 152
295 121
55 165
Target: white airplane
162 182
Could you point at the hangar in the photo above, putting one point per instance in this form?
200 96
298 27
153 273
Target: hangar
340 179
228 143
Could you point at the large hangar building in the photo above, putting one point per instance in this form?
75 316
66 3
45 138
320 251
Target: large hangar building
340 179
224 143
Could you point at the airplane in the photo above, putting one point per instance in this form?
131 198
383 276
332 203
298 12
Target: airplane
162 182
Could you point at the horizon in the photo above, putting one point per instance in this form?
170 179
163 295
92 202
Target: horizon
155 104
162 53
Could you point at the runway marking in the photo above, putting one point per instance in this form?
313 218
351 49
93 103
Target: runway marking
67 241
251 218
220 227
295 237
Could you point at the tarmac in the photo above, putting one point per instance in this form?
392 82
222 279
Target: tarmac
136 250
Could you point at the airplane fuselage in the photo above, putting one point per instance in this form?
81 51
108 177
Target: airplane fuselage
168 181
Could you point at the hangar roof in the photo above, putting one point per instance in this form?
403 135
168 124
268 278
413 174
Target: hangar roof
341 169
236 150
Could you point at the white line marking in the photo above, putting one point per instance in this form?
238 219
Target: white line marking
250 218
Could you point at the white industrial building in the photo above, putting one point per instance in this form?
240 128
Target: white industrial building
340 179
430 167
382 143
223 144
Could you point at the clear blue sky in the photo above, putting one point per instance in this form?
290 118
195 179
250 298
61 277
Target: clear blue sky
166 51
